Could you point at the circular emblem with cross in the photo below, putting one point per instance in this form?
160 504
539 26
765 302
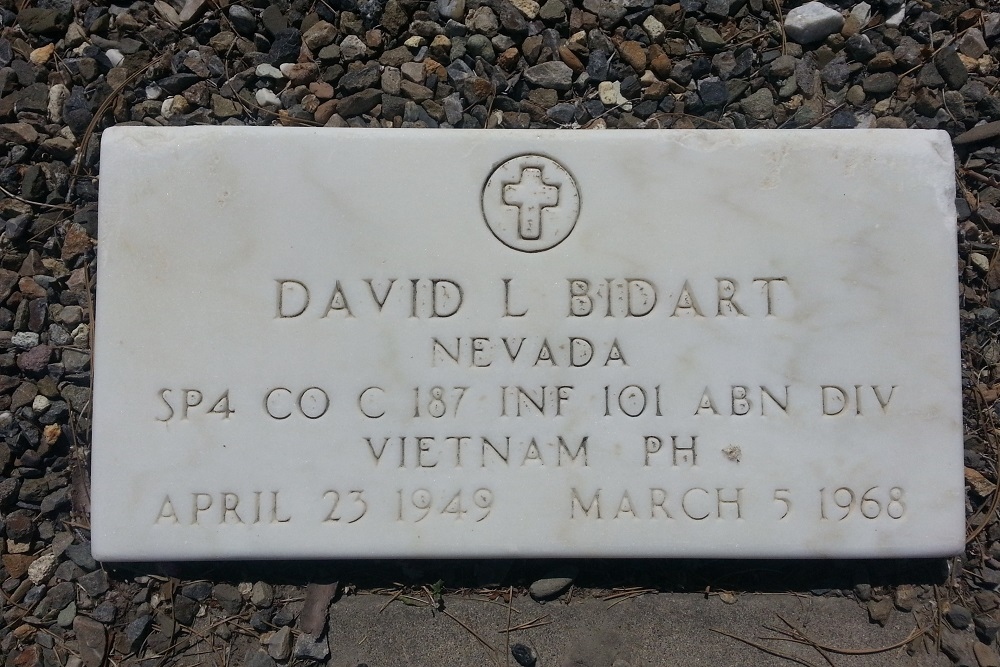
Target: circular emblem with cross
531 203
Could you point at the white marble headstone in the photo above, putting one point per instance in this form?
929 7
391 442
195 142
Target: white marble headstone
352 343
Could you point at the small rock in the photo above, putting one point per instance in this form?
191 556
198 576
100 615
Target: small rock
279 645
92 640
554 74
312 648
39 21
523 655
986 628
41 55
610 93
136 631
904 597
267 70
985 655
552 586
812 22
633 54
66 616
760 105
185 609
879 611
972 43
352 48
653 28
959 617
199 590
80 554
983 132
105 612
981 262
267 99
529 8
452 9
359 103
708 38
243 21
563 113
880 84
228 597
42 569
951 68
95 583
320 34
18 133
261 595
24 340
259 659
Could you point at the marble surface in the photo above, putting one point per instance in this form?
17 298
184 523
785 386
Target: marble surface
351 343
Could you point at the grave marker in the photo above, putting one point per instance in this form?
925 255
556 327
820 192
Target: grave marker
316 343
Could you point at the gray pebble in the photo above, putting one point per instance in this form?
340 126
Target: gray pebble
554 74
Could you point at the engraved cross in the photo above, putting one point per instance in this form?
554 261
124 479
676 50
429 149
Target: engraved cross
530 196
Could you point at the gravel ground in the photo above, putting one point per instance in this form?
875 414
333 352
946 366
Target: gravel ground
69 69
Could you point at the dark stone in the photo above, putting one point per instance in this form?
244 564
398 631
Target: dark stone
38 21
523 655
986 628
136 631
359 79
19 526
95 583
228 597
58 597
178 83
105 612
9 488
836 73
563 113
860 48
959 617
80 554
199 590
951 68
274 21
185 609
55 501
285 47
359 103
243 20
259 659
714 94
843 119
880 84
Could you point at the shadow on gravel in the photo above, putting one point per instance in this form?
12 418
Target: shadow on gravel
819 577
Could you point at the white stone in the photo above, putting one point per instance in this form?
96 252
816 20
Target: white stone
42 568
654 28
862 12
115 56
24 339
527 7
58 94
269 71
40 403
812 22
896 19
267 99
452 9
336 372
610 93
